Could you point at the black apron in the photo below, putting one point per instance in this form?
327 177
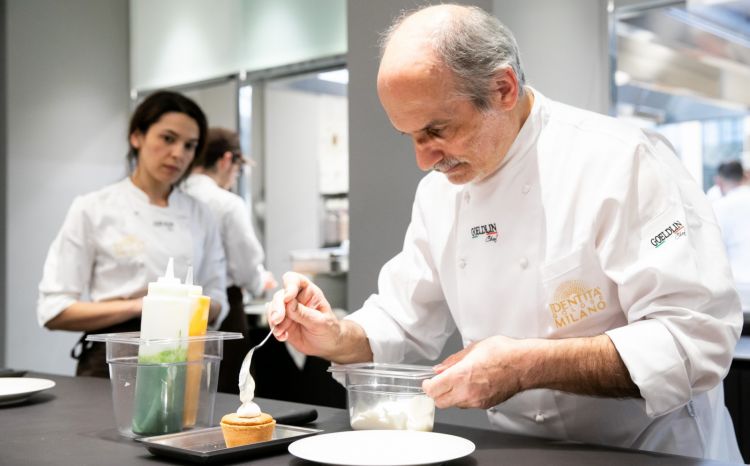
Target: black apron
92 356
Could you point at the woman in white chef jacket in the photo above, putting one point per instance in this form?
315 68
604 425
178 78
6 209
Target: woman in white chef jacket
116 240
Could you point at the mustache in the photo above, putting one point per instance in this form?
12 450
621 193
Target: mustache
445 164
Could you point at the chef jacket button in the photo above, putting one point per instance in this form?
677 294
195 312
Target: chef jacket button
526 188
493 409
467 197
539 418
523 262
461 263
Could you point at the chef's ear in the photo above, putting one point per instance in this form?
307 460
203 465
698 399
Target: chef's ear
136 139
504 88
225 161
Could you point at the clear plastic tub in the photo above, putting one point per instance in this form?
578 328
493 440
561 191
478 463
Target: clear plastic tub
154 395
387 396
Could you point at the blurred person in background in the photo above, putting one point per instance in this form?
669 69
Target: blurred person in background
733 214
116 240
215 173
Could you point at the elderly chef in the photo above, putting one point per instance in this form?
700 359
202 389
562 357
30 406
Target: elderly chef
581 264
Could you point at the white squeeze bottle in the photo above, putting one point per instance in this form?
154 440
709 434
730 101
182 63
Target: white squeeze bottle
160 380
166 309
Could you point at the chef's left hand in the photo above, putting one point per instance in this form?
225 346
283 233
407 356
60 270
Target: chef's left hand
482 375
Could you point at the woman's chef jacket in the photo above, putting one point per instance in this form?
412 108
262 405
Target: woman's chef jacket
244 253
588 227
114 242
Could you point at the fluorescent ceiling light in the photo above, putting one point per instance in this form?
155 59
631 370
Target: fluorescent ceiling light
336 76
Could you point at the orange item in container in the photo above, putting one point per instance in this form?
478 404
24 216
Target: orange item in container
198 325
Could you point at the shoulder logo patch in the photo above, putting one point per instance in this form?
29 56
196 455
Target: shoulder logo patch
675 230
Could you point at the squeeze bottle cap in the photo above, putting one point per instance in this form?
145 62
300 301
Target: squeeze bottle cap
193 290
168 284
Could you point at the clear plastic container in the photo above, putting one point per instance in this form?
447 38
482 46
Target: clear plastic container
152 397
387 396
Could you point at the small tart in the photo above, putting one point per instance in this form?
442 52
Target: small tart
239 430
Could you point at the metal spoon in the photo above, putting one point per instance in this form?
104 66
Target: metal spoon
245 368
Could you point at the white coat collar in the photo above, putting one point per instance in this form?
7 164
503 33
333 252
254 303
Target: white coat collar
201 179
525 139
142 197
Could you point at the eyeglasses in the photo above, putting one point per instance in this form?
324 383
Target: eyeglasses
238 159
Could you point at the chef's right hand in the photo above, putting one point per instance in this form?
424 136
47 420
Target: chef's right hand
300 314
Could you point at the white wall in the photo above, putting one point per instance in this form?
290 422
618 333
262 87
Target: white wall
182 41
292 120
67 110
3 177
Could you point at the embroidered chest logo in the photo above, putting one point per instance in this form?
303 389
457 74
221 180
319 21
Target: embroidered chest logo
489 232
675 230
168 224
574 301
128 246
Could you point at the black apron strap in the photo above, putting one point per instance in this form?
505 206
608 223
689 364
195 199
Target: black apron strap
92 356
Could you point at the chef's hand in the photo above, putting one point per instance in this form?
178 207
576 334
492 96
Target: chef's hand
300 314
482 375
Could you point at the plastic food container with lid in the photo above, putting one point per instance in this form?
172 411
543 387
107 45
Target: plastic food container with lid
156 395
387 396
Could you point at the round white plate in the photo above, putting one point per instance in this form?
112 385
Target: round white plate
17 389
381 448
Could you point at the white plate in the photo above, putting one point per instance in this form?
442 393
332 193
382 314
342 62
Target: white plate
17 389
381 448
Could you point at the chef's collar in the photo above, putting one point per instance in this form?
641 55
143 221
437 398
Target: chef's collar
142 197
526 137
201 178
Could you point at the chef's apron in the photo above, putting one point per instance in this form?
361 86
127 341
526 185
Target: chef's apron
92 356
234 350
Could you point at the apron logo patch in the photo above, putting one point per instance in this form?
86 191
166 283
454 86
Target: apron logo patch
489 232
574 301
675 230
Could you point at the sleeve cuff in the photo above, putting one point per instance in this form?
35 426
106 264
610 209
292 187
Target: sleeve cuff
385 337
655 364
51 306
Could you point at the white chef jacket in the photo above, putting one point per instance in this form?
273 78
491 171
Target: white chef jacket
244 254
733 214
588 227
114 242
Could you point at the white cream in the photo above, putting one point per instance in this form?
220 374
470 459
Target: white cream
247 389
416 413
248 409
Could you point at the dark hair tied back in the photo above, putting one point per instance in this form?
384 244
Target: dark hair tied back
151 110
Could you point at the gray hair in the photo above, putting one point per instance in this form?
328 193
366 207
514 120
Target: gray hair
474 46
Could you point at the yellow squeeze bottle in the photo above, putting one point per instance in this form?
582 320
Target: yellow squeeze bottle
198 324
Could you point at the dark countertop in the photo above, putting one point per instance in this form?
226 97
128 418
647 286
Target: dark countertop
73 424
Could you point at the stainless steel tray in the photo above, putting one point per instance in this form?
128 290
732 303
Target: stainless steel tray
207 445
